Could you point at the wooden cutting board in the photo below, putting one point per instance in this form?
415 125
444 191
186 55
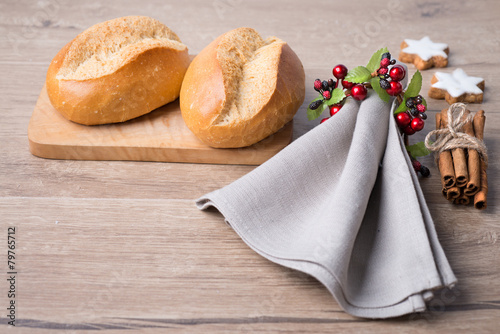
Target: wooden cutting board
158 136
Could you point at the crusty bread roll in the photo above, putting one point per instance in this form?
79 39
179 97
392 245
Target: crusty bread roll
241 89
117 70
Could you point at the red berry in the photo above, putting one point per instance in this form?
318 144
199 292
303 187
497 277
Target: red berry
395 89
335 109
317 84
327 95
417 124
339 71
397 73
403 119
324 120
383 71
359 92
385 62
347 84
408 130
421 108
416 165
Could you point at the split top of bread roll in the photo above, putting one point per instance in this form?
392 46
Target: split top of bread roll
117 70
241 89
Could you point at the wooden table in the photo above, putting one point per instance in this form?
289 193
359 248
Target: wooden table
120 245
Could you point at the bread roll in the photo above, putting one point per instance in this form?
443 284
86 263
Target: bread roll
241 89
117 70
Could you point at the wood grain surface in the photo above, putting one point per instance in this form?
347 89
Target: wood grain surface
118 246
160 135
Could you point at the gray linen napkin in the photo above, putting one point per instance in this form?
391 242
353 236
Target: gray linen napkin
343 204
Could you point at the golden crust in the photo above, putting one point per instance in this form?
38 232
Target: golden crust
148 76
203 97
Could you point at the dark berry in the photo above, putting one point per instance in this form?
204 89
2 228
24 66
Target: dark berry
383 70
408 130
410 103
397 73
418 100
385 62
315 104
324 120
403 119
414 111
347 84
385 84
417 124
326 94
421 108
324 85
386 55
331 83
335 109
339 71
317 85
395 89
416 165
425 171
359 92
393 61
386 75
423 116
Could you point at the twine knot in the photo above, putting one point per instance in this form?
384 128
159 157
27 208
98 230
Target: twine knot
452 136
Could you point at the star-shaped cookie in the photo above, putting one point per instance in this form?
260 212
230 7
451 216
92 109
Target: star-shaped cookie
424 53
457 87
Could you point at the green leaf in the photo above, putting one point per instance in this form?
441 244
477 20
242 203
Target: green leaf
418 150
359 74
402 107
375 82
337 96
374 62
313 114
414 86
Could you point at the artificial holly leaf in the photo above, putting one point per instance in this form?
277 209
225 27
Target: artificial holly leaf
375 82
402 107
414 86
358 74
374 62
337 96
313 114
418 150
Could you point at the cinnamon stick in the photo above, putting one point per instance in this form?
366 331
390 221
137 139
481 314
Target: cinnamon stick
462 198
458 155
451 193
445 162
473 163
480 197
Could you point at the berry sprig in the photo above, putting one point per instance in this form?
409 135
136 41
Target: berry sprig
384 76
419 168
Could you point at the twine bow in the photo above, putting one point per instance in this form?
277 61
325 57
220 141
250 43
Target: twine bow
452 137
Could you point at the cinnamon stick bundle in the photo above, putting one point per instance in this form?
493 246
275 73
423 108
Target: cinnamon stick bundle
480 197
463 171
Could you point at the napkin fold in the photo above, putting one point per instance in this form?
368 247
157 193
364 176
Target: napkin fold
342 203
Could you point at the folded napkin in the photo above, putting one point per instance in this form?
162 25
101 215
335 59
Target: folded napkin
343 204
